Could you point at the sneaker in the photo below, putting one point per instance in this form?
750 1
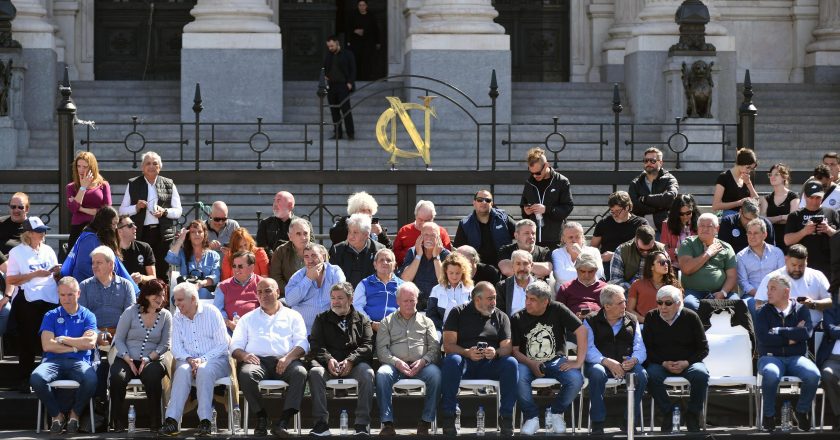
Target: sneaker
57 426
506 426
769 424
597 428
170 427
804 419
279 429
530 426
205 428
361 430
261 430
387 430
424 427
692 421
321 429
72 426
558 423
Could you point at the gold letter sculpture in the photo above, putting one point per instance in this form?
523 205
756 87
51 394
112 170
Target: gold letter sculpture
399 108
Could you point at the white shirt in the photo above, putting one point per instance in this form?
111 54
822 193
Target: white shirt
564 267
204 336
173 212
262 334
518 302
813 284
24 260
448 298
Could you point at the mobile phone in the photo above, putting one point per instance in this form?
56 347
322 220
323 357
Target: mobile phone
481 345
374 220
801 299
585 311
819 218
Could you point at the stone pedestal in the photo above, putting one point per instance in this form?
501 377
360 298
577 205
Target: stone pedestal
14 132
822 57
703 143
36 34
235 52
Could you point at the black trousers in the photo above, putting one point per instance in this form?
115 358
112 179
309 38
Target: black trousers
337 93
152 378
152 236
28 316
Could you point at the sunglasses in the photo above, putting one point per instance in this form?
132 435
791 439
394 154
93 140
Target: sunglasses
666 303
650 160
21 207
240 266
127 225
541 170
219 219
662 262
484 199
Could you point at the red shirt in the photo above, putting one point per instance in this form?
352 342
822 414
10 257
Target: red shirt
407 239
240 299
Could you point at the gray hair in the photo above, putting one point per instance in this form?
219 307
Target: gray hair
525 222
750 206
470 253
408 287
758 222
69 281
539 289
301 222
573 225
781 280
361 221
525 255
151 154
187 288
610 292
480 288
586 260
384 251
343 286
709 216
105 252
359 201
670 292
425 204
312 246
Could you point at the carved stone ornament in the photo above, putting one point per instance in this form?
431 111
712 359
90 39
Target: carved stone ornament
698 85
692 16
7 14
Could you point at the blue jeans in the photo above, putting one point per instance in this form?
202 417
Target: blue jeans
598 375
4 316
64 369
455 367
570 380
387 376
698 379
772 368
693 297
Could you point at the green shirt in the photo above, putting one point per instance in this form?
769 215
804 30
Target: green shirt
711 276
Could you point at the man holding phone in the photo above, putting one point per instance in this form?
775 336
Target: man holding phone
813 226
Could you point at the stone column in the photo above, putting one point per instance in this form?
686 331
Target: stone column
822 57
626 15
36 34
234 51
805 14
456 41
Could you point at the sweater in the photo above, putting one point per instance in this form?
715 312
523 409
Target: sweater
684 340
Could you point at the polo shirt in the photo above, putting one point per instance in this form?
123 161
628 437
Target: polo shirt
473 327
137 257
712 275
222 236
106 302
61 323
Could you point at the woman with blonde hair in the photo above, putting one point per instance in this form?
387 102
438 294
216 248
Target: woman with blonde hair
454 288
86 194
241 240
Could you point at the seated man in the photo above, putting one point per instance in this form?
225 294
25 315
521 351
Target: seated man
355 255
237 295
756 260
487 229
707 264
200 349
376 295
424 212
512 289
676 346
539 345
782 329
628 260
485 332
525 238
423 262
733 228
274 231
288 257
583 294
66 356
137 256
808 286
618 227
342 347
267 345
615 349
219 226
408 347
308 290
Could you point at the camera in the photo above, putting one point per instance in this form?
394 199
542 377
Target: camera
801 299
194 277
374 220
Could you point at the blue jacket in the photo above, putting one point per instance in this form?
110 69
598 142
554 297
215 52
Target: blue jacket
779 344
78 263
831 323
501 225
375 298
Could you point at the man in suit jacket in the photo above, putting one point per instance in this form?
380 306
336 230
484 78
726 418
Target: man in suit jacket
511 290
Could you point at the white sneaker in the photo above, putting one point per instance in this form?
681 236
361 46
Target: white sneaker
558 423
530 427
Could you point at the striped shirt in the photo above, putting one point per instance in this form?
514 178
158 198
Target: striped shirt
204 336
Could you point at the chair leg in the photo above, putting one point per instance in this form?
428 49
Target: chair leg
822 413
245 419
297 422
38 420
93 419
230 410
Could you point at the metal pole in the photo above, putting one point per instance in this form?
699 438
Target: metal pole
494 93
197 108
616 108
66 116
629 379
322 93
746 116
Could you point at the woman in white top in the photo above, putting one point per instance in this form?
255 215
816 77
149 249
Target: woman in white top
454 289
563 258
32 267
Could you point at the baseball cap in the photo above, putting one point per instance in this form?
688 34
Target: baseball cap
35 224
813 189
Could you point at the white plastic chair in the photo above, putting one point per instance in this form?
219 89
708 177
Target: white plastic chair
730 364
135 385
67 385
474 384
411 385
791 382
269 386
674 382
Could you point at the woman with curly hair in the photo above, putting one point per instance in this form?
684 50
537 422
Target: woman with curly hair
454 288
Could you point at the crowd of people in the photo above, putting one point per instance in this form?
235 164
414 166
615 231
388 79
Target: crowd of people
501 300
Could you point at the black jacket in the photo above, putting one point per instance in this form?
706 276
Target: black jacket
557 199
346 63
338 233
656 201
327 340
355 265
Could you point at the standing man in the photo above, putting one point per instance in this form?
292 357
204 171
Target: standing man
546 199
539 346
308 290
340 70
288 257
708 265
408 347
200 348
219 226
11 226
68 336
356 254
653 191
342 346
813 226
487 229
525 239
154 205
274 231
267 345
782 330
137 256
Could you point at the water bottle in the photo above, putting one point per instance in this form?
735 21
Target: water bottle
214 428
549 421
343 420
237 419
675 420
479 421
235 318
787 426
458 418
132 420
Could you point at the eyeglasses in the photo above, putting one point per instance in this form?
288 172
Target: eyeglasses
650 160
662 262
219 219
616 211
240 266
483 199
21 207
545 164
127 225
665 303
685 213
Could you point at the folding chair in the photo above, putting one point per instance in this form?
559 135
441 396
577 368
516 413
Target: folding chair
547 382
135 385
415 384
269 386
66 385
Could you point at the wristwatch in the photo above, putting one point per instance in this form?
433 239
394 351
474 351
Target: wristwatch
75 350
60 340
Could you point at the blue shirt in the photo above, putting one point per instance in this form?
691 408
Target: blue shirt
752 268
209 265
594 356
61 323
305 297
107 303
426 279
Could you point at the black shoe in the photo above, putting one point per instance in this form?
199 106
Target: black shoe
666 421
117 426
321 429
351 137
361 430
169 428
804 420
23 387
205 428
692 421
261 430
597 428
769 424
279 429
448 425
334 137
506 426
72 426
56 427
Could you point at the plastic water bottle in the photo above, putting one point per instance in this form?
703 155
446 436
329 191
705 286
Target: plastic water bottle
549 425
787 426
675 420
343 421
479 421
214 428
132 420
235 318
237 419
458 418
